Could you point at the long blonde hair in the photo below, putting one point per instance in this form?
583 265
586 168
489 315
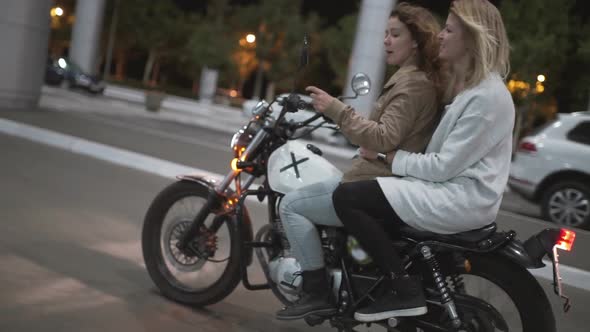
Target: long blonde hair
487 41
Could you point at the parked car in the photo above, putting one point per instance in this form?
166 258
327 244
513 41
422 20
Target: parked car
552 168
75 77
54 74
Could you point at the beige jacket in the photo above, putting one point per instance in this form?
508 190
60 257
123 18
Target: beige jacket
404 118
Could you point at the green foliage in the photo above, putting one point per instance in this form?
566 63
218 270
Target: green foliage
539 35
279 29
581 86
211 39
153 25
547 38
337 43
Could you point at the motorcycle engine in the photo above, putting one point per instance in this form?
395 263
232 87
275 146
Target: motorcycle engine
286 273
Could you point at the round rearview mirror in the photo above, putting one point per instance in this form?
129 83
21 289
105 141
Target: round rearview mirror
260 107
361 84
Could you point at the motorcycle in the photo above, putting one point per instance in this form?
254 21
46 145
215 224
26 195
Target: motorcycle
198 241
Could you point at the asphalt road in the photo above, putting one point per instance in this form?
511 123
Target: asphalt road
208 150
69 237
71 257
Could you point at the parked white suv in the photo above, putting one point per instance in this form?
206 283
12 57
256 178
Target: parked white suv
552 167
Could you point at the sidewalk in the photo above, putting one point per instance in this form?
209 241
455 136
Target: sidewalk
129 102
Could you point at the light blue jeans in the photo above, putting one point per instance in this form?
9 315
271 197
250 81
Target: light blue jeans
300 211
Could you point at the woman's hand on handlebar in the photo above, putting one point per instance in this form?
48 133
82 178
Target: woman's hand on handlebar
320 99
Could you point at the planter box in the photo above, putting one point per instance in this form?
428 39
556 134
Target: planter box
153 100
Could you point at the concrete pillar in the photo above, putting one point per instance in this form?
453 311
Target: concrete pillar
208 85
24 36
86 34
368 53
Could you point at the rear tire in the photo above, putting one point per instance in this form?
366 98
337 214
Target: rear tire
528 296
155 259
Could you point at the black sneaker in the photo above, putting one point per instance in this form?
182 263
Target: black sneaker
315 299
405 298
307 305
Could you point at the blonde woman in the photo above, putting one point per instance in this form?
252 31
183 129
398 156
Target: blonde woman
404 117
457 184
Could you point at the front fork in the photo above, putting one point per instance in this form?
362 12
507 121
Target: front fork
213 203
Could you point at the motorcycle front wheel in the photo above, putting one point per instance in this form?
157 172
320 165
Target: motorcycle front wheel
201 279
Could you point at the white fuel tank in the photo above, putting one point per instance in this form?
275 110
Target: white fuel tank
293 166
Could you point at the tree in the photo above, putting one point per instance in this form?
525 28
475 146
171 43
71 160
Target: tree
548 36
211 42
580 72
539 33
158 27
338 42
279 29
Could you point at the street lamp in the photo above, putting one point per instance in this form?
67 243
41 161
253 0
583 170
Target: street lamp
250 38
57 11
539 88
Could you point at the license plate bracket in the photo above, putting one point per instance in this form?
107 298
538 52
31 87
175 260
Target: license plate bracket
557 281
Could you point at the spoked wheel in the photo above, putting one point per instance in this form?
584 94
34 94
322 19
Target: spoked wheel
211 269
512 291
496 295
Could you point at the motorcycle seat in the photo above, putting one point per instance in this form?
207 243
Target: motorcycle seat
469 237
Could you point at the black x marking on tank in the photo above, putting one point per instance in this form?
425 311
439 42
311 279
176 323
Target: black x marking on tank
294 165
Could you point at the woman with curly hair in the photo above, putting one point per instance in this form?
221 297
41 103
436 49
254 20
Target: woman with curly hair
404 117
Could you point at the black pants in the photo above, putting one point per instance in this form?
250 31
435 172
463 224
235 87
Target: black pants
368 216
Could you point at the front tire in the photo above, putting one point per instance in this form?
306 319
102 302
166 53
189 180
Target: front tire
180 277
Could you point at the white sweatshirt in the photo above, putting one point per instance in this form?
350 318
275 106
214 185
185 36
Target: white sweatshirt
458 183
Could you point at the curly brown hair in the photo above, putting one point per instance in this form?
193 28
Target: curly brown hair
424 28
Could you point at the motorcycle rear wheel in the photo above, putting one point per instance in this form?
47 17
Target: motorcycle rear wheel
525 292
178 276
505 285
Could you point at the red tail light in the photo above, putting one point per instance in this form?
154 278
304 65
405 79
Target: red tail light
565 241
527 147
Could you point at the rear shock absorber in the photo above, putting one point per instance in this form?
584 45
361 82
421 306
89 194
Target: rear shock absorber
441 285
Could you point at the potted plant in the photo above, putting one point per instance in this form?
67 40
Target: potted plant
153 99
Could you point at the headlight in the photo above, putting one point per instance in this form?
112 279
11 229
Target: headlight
239 142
